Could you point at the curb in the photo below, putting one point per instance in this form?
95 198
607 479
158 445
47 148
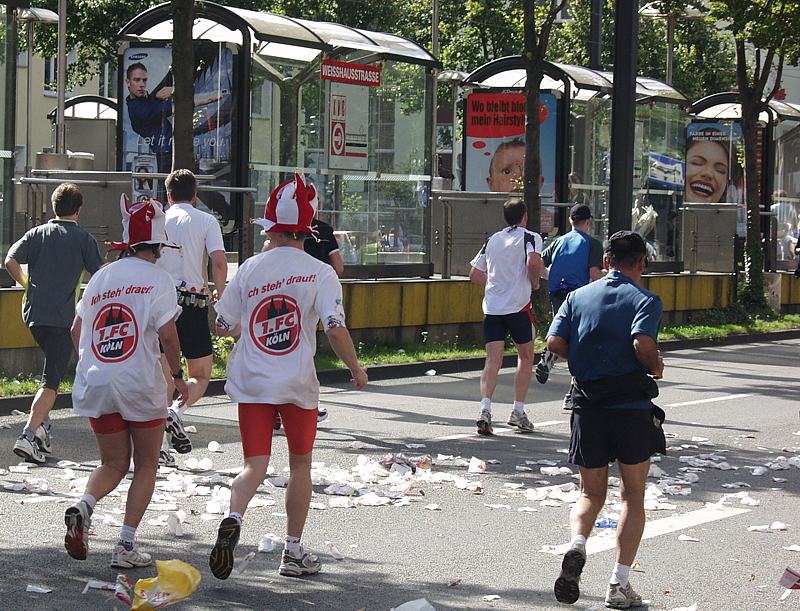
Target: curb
444 366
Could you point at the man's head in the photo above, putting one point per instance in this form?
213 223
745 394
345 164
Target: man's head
136 80
181 186
515 212
67 200
580 216
626 251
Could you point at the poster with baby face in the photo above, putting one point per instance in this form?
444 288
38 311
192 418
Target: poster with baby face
495 141
714 151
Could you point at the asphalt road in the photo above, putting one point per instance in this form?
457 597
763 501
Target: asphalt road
741 399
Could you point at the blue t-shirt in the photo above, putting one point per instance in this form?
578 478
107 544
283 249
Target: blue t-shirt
569 259
150 119
600 321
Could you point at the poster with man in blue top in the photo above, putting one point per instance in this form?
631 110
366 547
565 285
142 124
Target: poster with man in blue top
147 118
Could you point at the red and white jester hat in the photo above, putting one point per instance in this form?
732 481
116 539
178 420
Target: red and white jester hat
291 207
144 222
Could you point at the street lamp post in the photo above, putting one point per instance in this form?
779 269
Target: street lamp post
654 11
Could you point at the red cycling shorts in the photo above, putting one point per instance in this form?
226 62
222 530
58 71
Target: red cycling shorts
256 422
108 424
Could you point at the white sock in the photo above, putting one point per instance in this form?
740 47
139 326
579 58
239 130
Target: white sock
127 535
620 574
165 444
236 516
519 407
486 404
90 502
578 541
292 545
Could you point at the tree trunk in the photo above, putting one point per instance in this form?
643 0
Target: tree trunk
183 80
533 162
752 293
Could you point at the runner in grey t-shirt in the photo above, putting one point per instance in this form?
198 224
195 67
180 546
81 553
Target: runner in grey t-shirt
56 253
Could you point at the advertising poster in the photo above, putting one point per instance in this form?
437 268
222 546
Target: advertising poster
349 126
714 173
495 145
147 120
664 172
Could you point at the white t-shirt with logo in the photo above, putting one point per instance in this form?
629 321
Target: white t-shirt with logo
119 371
278 297
196 232
504 259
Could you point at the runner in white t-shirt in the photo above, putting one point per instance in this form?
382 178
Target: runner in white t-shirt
509 264
197 233
127 307
274 305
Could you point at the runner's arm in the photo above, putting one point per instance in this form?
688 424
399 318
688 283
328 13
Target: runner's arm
558 346
648 354
477 276
15 270
534 265
337 263
342 344
75 332
219 270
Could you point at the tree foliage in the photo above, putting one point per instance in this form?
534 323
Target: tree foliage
766 35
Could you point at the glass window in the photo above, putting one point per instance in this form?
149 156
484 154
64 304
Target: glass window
785 202
364 147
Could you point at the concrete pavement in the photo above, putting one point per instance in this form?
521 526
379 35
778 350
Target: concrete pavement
738 403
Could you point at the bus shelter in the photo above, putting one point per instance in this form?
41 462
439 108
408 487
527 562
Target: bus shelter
276 95
718 116
575 121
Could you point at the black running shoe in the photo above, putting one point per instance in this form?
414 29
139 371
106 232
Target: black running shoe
566 587
221 559
178 437
277 425
545 364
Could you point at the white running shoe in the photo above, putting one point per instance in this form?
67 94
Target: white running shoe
166 459
122 558
484 423
567 404
521 421
43 437
545 364
618 597
29 450
307 564
76 541
322 414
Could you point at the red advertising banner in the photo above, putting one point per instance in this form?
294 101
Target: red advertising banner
348 72
498 115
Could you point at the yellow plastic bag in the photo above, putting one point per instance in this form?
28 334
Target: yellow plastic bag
176 580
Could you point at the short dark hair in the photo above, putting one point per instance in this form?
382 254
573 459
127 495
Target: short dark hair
132 67
625 249
181 185
67 199
513 211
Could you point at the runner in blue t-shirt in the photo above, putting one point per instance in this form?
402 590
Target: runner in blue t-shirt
574 260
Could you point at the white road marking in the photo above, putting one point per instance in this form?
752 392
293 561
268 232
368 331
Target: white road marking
664 526
499 431
712 400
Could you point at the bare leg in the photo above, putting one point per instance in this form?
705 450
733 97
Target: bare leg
247 482
115 458
594 484
199 377
522 378
43 402
494 360
146 444
632 518
298 493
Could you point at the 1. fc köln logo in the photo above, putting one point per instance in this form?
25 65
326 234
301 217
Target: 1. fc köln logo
114 333
275 325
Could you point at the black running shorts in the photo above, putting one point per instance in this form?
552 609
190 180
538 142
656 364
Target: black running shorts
56 343
194 332
601 436
519 325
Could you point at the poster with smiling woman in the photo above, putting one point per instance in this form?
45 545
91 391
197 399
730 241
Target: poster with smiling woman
713 169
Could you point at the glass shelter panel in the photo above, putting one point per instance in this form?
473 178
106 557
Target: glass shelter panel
8 55
364 147
785 203
659 177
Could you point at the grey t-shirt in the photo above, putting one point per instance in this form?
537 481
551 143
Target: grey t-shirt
56 252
